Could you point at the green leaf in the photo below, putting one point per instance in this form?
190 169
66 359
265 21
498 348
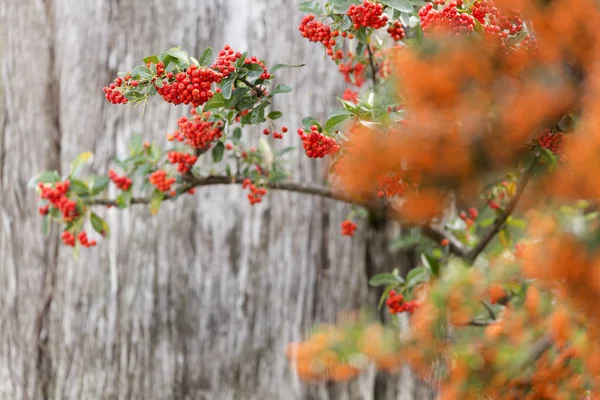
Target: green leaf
431 263
254 71
277 67
416 276
156 201
151 59
99 184
79 187
275 115
46 225
385 295
218 151
227 85
217 101
99 225
237 133
258 114
206 57
312 7
516 222
81 159
281 89
487 222
136 144
384 279
44 177
400 5
179 55
479 28
335 121
141 72
309 121
124 199
277 176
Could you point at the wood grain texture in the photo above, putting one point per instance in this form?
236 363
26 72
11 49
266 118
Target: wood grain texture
200 301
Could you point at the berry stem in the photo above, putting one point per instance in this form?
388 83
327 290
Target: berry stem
373 68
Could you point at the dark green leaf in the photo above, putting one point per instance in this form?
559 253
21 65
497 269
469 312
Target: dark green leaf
383 279
100 183
258 114
141 72
277 176
218 151
254 71
181 56
275 115
79 187
237 132
206 57
217 101
281 89
227 86
335 121
99 225
124 199
309 121
277 67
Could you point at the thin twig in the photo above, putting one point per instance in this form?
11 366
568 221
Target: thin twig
438 235
373 68
259 91
501 219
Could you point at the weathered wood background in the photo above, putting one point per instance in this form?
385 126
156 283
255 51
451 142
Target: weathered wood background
199 302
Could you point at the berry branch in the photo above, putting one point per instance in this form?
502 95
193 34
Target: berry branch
499 222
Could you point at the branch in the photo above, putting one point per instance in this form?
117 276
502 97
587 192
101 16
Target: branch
438 235
501 219
544 343
430 231
259 91
373 68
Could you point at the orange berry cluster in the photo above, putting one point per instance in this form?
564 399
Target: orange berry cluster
184 161
256 194
197 132
317 145
225 62
348 228
396 31
396 304
160 180
391 185
122 182
190 87
368 14
57 196
471 217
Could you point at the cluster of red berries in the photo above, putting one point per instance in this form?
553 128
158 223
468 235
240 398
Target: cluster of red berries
396 31
446 19
350 95
276 135
317 145
396 304
256 194
357 70
509 25
316 31
69 239
122 182
368 14
391 185
115 95
190 87
471 217
85 242
348 228
57 196
551 141
197 131
225 62
160 180
254 60
184 161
